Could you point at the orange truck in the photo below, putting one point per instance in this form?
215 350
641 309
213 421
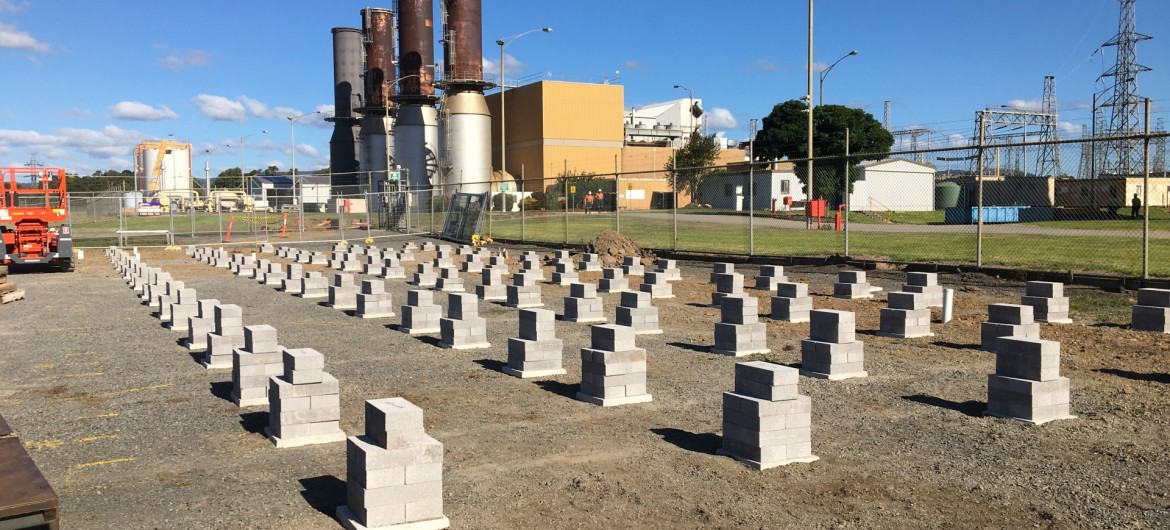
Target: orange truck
34 217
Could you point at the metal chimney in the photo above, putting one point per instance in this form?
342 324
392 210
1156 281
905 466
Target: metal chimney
347 95
467 135
416 129
377 145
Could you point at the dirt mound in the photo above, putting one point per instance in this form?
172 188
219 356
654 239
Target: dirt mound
611 247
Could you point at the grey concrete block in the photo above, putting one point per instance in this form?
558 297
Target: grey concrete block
1150 318
903 300
829 325
1023 358
1153 297
739 310
610 337
851 277
1044 289
394 422
990 332
792 290
1010 314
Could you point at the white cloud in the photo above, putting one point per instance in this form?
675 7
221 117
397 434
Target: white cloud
138 111
1031 105
12 7
260 110
11 37
636 65
721 118
512 66
109 143
1069 128
763 65
181 60
76 112
219 108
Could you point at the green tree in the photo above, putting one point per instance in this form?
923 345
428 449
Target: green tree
583 183
691 164
785 134
229 178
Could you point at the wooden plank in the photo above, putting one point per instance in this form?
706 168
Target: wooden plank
26 491
12 297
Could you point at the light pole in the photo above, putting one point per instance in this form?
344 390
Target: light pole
298 190
503 44
690 105
810 195
242 138
825 73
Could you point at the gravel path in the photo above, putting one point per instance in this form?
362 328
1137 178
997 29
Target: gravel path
133 433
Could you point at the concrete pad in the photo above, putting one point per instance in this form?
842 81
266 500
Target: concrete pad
349 521
284 443
531 374
613 402
757 465
833 377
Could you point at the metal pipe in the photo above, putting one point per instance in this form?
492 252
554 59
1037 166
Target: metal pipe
522 200
979 205
617 205
811 193
751 187
1146 197
297 189
674 199
845 193
825 73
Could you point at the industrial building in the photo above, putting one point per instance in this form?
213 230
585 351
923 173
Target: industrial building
776 187
163 168
893 184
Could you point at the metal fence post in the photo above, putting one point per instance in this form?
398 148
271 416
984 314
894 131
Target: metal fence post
617 195
565 191
1146 196
369 220
524 183
674 199
979 205
845 193
752 187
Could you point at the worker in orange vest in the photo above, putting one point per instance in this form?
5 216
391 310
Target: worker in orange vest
599 201
588 202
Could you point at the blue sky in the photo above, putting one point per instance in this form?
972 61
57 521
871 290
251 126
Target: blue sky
84 80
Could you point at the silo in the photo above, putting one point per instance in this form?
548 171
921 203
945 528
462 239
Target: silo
163 165
378 112
416 131
347 96
468 124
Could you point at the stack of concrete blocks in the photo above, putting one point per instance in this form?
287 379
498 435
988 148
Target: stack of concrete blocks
1152 311
766 423
589 263
524 291
189 250
225 338
583 305
443 259
638 313
318 258
424 275
491 285
832 350
267 248
1049 304
284 252
169 296
254 364
770 277
371 263
852 285
343 292
185 306
669 268
613 370
561 256
613 281
219 259
499 263
244 266
153 286
792 302
907 316
275 275
350 262
926 284
473 263
201 324
303 256
564 273
1007 320
726 284
394 473
409 246
721 268
291 283
530 265
632 266
463 329
304 406
537 352
338 247
1026 384
464 250
427 246
406 255
449 281
420 315
656 284
739 331
314 285
373 301
390 269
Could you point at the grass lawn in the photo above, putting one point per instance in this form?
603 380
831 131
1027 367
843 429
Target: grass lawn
1085 254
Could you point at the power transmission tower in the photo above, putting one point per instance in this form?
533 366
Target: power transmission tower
886 117
1122 156
1158 164
1086 169
1049 163
1004 126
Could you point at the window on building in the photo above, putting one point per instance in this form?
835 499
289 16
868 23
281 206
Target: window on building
784 186
728 190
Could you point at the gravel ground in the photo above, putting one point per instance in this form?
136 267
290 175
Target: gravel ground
132 433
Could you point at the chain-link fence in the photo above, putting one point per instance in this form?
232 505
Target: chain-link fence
1052 206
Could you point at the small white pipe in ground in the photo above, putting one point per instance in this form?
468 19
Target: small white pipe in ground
80 255
948 304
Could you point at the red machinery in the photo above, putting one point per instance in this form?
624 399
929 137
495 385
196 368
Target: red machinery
34 217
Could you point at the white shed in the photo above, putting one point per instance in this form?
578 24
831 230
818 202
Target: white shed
772 186
893 184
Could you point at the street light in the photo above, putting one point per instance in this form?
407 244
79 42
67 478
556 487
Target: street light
503 44
242 138
300 197
825 72
690 104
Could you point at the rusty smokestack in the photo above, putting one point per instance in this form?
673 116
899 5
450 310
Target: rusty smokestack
416 42
378 29
347 96
463 33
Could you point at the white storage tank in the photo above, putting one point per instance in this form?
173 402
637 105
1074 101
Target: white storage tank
163 165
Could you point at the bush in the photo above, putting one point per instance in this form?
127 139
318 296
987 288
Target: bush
531 204
503 202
